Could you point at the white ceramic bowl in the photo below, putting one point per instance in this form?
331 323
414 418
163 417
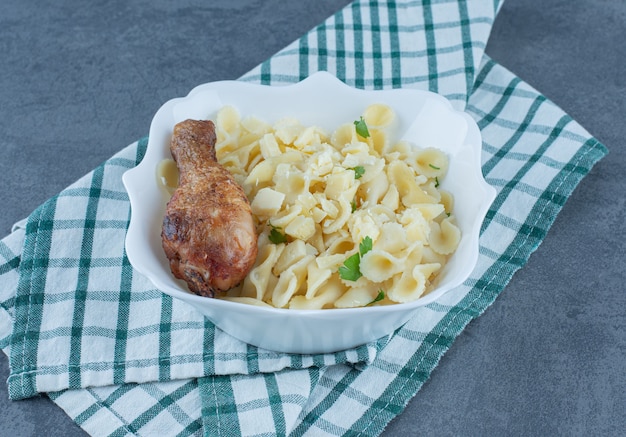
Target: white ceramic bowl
425 119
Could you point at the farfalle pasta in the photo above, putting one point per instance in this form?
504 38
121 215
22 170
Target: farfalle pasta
345 219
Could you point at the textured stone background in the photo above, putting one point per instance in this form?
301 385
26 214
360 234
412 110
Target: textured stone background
81 80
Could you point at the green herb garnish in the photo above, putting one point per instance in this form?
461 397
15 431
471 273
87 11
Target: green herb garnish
434 166
380 296
365 245
276 236
436 182
353 205
361 128
350 270
359 170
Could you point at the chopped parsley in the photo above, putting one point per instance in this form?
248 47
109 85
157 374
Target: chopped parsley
365 245
353 205
276 236
359 170
380 296
350 270
436 182
434 166
361 128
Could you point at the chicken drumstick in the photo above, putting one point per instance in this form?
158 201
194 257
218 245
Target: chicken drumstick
208 232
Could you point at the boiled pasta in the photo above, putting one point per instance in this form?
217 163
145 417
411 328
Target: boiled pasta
345 219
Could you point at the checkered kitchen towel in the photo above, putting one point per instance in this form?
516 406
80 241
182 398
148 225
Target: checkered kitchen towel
81 325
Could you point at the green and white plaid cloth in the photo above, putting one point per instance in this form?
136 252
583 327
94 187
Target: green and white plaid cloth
121 358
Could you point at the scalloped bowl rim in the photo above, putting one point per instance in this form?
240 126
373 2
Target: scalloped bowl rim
317 87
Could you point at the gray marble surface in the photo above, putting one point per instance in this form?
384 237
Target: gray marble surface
80 80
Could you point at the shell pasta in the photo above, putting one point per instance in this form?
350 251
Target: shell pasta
345 219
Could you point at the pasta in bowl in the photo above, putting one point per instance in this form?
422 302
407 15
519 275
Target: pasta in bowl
368 204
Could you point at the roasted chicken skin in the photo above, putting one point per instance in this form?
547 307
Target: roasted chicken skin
208 232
